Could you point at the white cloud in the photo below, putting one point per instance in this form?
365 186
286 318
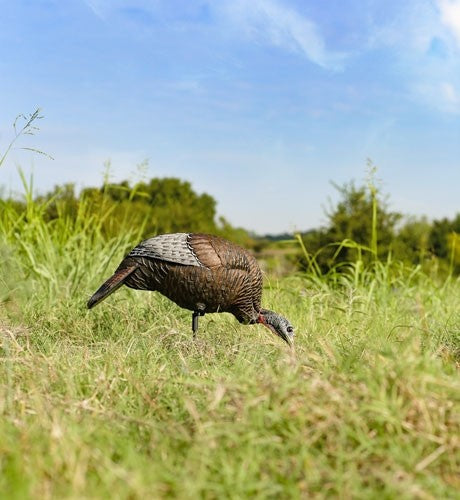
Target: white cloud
440 95
426 56
96 8
269 21
450 16
104 9
449 93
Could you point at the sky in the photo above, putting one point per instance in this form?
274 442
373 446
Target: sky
260 103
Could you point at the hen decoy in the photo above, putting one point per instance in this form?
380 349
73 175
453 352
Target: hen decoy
199 272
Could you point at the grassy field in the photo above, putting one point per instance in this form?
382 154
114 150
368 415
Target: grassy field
121 402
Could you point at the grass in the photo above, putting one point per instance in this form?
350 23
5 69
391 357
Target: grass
121 402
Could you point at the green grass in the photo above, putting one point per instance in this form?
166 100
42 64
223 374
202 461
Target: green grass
121 402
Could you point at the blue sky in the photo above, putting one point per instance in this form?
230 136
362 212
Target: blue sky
260 103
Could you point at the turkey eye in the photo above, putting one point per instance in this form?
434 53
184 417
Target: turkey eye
290 329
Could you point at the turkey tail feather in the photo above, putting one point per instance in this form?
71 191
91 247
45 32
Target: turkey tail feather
112 284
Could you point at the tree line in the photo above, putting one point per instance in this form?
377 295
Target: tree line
360 225
158 205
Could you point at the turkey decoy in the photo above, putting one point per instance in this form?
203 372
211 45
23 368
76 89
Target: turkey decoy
199 272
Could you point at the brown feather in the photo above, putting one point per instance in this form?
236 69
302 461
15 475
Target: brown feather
112 284
228 279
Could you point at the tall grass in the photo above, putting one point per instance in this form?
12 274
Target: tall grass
371 183
121 401
24 125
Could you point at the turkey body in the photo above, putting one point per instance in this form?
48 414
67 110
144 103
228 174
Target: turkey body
199 272
225 278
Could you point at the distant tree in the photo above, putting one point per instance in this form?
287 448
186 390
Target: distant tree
177 207
351 220
159 205
439 235
238 235
60 201
411 244
444 241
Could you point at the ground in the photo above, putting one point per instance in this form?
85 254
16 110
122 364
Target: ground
120 401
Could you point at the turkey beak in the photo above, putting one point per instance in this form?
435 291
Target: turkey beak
289 339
